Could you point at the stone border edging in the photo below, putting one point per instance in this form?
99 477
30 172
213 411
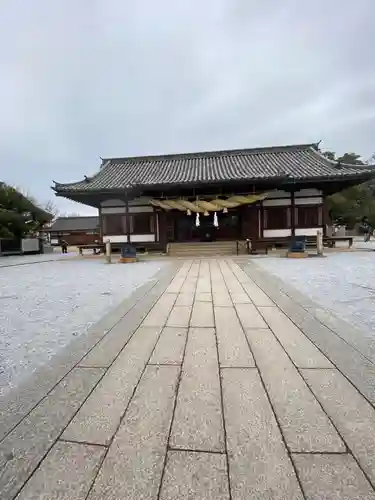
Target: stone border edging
333 336
20 402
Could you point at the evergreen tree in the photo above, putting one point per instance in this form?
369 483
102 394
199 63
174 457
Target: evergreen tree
19 216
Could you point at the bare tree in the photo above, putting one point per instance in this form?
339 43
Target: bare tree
51 208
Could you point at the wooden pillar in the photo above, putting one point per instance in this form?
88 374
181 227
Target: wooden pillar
325 216
293 213
261 215
127 220
100 224
250 222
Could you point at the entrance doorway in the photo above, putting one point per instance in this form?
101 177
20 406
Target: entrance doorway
229 227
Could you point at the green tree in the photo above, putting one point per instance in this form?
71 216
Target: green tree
352 204
19 215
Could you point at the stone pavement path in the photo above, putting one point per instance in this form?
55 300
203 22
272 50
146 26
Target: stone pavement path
216 396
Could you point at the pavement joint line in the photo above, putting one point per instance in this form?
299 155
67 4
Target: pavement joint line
178 382
237 367
348 449
287 293
243 288
271 277
196 450
56 440
155 283
303 378
87 367
320 453
288 451
106 369
164 364
135 388
221 386
317 367
83 402
85 443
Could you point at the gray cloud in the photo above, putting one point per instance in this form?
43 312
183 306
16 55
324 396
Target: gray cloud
81 80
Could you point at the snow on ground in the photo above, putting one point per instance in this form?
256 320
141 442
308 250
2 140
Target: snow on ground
15 260
46 305
343 283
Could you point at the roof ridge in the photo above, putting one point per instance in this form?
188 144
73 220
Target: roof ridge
203 154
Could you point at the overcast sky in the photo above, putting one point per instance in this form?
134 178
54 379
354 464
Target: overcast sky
84 79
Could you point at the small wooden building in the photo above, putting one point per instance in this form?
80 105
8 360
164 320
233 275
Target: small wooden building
272 192
74 230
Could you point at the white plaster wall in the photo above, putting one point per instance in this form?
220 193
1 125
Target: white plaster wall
29 244
134 238
142 238
278 193
138 210
119 203
318 200
115 238
308 192
112 210
276 233
113 203
121 209
139 201
276 202
307 231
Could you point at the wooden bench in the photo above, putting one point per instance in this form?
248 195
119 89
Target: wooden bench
261 245
94 247
330 241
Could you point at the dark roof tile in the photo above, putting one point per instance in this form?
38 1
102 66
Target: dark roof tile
301 162
75 224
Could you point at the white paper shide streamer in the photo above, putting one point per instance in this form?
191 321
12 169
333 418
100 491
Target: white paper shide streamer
197 222
216 222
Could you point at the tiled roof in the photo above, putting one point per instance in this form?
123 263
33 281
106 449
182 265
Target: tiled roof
75 224
301 162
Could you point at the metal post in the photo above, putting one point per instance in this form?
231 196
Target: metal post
319 242
108 252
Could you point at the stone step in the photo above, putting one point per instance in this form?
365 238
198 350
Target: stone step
204 248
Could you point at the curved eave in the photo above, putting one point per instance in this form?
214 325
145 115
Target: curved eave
349 179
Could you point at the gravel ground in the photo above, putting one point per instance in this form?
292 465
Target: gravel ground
343 283
46 305
16 260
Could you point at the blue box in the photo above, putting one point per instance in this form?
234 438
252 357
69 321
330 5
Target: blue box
128 252
298 244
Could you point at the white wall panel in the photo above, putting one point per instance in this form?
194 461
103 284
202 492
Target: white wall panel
132 210
308 192
142 238
278 193
112 210
115 238
143 209
134 238
276 233
307 231
113 203
139 201
276 203
317 200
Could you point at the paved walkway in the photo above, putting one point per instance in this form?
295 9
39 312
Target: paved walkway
217 395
